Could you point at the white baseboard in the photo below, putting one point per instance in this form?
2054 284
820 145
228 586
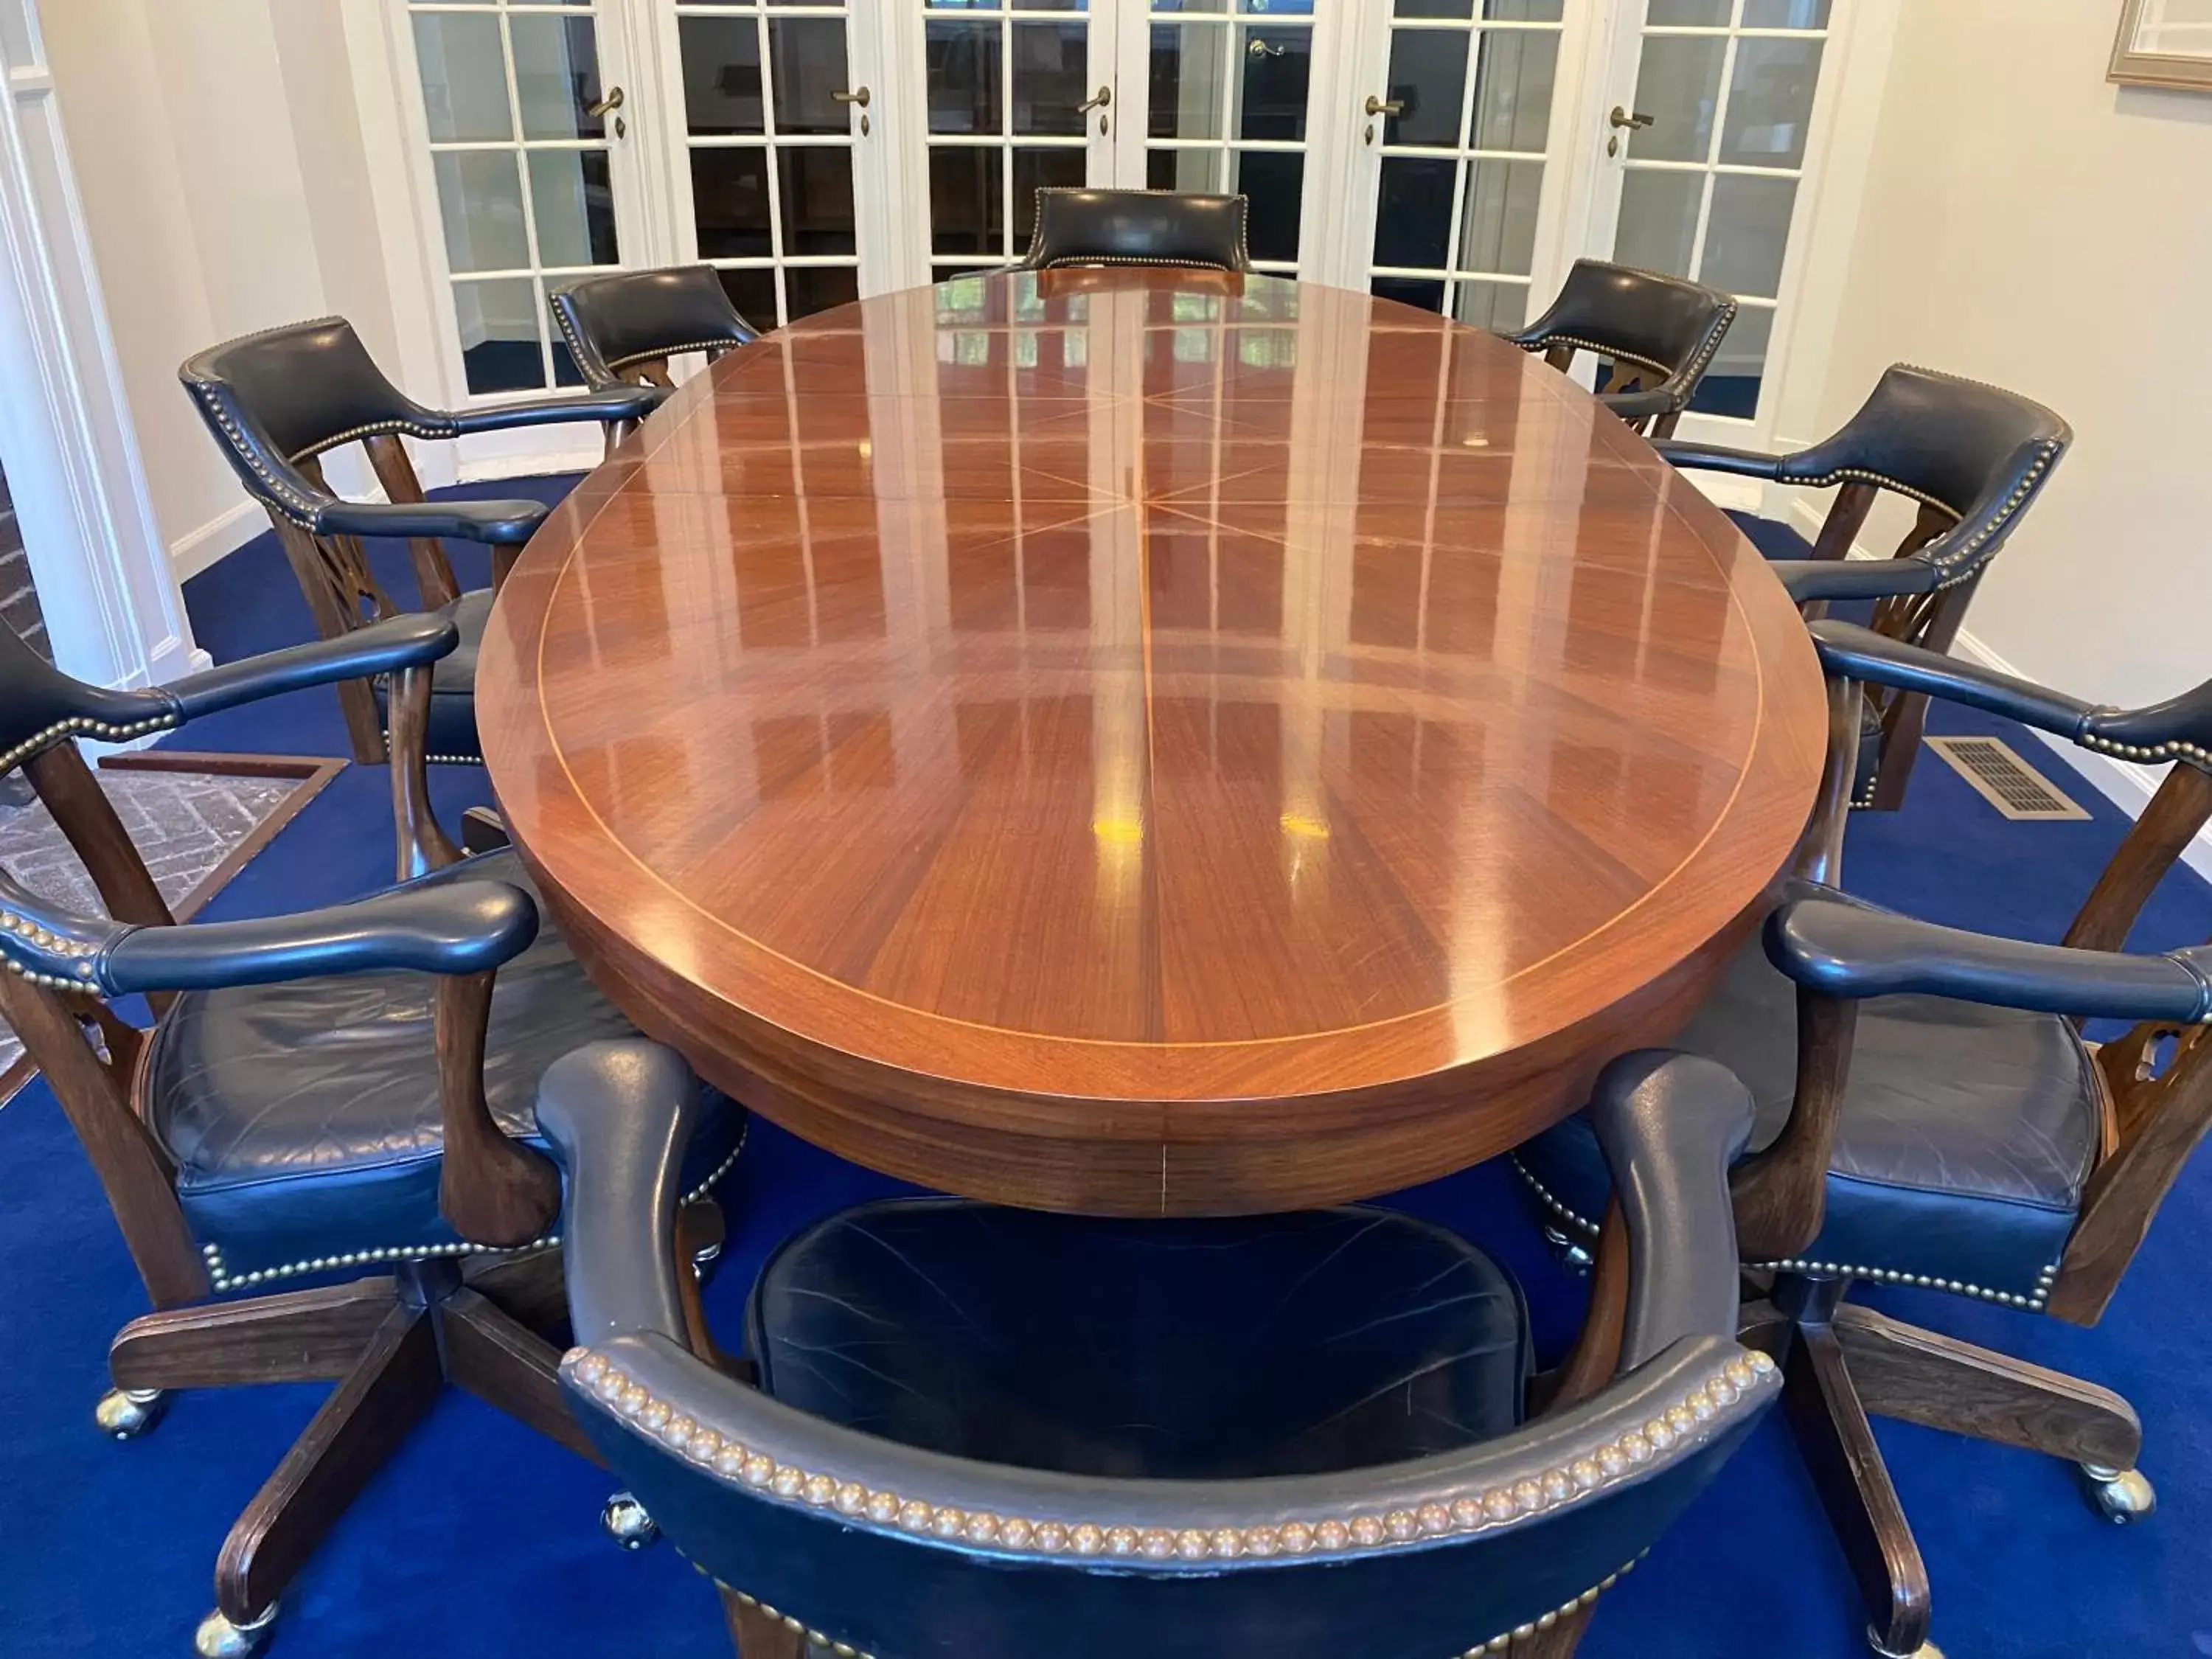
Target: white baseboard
1728 492
477 470
2125 784
235 525
221 536
1806 517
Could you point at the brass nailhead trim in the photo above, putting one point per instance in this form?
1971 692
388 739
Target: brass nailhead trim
815 1639
80 953
285 496
1744 1376
1677 379
86 725
222 1281
1547 342
438 760
1503 1641
2033 1303
1499 1643
579 351
2172 748
618 365
1037 233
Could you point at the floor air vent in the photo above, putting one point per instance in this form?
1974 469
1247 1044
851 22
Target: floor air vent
2001 778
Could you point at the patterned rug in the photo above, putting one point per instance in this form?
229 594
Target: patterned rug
186 823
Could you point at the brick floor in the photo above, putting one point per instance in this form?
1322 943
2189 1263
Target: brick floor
184 824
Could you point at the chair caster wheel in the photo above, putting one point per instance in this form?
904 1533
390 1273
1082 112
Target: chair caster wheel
218 1638
1574 1256
1925 1650
2123 1497
624 1520
483 830
126 1413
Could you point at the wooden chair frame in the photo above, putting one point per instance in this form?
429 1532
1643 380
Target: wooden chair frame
1930 620
341 590
1844 1363
390 1341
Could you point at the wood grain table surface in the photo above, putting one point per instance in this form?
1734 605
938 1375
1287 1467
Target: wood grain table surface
1146 742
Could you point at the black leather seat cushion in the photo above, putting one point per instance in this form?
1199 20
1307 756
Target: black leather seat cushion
1966 1137
452 732
1277 1345
304 1117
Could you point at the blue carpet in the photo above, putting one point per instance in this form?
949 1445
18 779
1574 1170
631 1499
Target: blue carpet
479 1539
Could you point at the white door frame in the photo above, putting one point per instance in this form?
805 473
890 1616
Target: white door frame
395 123
661 146
1352 44
1563 218
114 610
1852 63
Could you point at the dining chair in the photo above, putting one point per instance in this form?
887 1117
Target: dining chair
276 402
1085 227
997 1432
1656 333
329 1127
1974 458
623 329
1929 1114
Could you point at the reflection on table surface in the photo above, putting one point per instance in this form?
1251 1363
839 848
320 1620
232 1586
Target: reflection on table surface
1026 650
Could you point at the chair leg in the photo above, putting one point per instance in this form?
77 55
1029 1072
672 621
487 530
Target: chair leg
1837 1445
504 1363
529 1288
357 1429
1921 1376
483 830
755 1633
296 1336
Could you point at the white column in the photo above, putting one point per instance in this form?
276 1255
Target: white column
110 598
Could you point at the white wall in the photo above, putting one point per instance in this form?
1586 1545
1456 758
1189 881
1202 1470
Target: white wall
2026 222
220 159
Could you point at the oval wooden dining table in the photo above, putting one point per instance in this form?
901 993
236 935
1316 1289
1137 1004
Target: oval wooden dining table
1145 742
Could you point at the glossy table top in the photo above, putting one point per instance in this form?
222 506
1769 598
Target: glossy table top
1132 703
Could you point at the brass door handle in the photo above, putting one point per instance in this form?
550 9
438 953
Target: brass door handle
860 97
1385 106
612 100
1103 97
1621 118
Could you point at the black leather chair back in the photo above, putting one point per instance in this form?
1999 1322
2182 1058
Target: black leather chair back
40 705
619 325
1978 451
913 1553
286 394
1667 327
1138 227
910 1551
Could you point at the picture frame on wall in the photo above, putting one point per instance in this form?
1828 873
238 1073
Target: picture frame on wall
2164 43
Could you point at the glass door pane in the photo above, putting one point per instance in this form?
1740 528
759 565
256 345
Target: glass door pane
1465 120
522 156
1008 80
770 108
1225 103
1709 189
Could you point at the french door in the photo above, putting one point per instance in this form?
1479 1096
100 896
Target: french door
1705 161
768 134
1464 115
531 183
1161 94
1455 154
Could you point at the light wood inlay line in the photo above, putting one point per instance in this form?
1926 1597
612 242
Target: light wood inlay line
1225 744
